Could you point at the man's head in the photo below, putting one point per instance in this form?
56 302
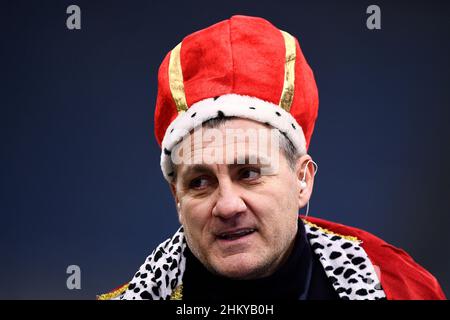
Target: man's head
240 219
238 208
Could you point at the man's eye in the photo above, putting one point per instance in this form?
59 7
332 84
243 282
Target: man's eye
250 173
198 183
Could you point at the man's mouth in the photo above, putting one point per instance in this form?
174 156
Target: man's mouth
235 234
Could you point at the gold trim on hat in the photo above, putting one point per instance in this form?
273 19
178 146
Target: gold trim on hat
287 94
176 79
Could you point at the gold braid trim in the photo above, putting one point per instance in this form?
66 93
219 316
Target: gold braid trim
287 95
177 294
176 82
350 238
113 294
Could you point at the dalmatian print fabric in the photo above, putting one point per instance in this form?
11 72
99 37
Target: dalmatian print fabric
161 273
345 263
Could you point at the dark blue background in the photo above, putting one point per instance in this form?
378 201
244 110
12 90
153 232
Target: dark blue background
80 176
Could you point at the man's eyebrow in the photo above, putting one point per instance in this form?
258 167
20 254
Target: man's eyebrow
196 168
258 160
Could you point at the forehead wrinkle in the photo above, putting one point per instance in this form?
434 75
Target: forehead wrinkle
209 168
200 146
245 159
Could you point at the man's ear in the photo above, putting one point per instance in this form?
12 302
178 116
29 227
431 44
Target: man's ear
173 189
305 176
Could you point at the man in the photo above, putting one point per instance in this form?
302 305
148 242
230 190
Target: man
235 112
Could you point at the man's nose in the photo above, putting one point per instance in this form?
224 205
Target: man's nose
229 202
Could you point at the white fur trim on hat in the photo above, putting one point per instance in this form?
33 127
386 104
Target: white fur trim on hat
229 105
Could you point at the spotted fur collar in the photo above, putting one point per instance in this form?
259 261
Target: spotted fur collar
345 262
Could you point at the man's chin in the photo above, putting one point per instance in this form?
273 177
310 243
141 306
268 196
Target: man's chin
240 268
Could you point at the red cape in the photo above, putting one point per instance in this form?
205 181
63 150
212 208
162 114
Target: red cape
401 277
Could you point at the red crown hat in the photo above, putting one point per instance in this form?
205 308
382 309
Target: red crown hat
243 67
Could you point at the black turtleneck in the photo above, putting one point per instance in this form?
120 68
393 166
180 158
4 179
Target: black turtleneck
301 277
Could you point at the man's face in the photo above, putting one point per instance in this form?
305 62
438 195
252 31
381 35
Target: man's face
238 222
